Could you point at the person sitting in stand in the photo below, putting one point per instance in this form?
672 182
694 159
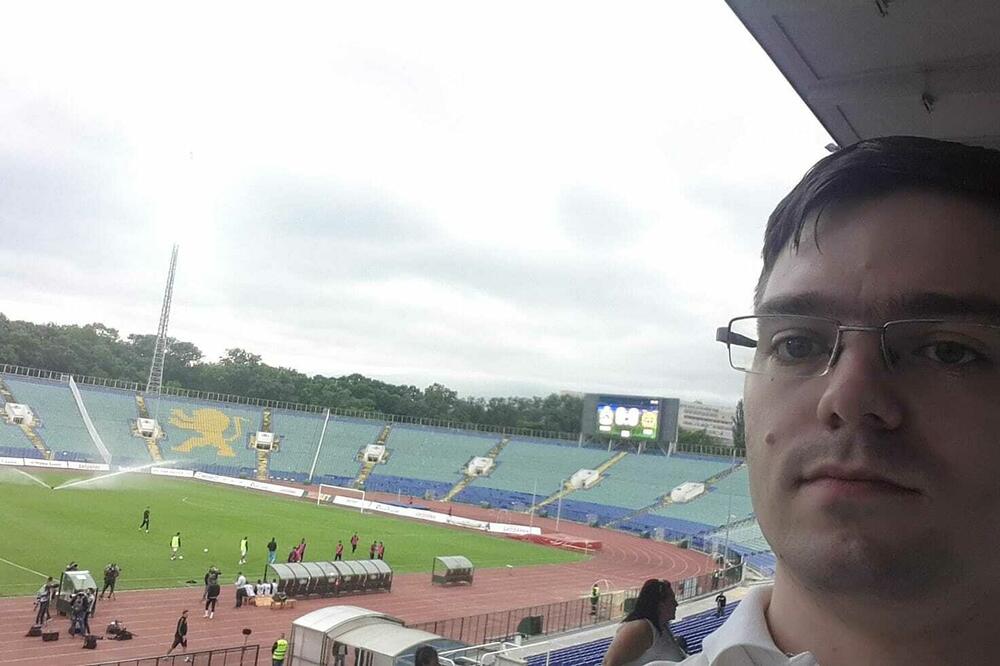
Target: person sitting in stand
644 635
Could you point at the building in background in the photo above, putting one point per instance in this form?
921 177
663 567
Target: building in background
716 422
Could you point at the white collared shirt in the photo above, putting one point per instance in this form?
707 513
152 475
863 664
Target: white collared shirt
744 640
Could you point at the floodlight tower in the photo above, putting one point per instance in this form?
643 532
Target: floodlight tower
155 382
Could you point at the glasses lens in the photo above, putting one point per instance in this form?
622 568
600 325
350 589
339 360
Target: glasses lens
786 345
933 346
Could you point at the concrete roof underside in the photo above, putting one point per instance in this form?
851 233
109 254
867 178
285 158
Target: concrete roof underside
871 68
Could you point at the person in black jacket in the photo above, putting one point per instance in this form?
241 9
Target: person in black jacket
180 633
212 591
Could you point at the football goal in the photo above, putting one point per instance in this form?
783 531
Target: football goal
326 494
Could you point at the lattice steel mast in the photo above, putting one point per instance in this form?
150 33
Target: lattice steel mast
155 382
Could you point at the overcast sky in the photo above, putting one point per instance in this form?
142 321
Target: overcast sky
507 198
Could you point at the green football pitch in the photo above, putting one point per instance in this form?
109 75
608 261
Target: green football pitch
98 522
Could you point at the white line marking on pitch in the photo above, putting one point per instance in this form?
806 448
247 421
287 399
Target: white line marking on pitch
14 564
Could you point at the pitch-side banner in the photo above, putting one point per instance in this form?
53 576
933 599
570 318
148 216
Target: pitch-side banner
434 516
170 471
4 460
35 462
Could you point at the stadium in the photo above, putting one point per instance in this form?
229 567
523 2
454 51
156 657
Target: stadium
494 537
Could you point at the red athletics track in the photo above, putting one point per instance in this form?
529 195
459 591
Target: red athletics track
625 561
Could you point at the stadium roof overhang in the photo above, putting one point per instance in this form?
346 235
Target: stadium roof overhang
871 68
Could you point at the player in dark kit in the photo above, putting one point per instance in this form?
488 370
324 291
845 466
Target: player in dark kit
180 633
145 520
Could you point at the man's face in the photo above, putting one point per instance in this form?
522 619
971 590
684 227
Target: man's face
937 441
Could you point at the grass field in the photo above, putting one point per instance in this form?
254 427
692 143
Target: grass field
96 523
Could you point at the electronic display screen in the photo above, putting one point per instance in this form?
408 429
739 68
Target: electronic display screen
636 418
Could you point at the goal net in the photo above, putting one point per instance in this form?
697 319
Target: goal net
326 494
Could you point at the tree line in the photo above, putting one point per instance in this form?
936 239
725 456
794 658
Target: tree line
100 351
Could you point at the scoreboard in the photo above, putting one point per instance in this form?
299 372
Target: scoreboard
642 418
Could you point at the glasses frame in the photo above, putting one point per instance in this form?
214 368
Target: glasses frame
725 335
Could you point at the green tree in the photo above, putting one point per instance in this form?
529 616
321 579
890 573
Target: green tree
739 427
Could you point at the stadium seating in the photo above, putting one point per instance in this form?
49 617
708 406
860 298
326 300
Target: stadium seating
344 436
693 629
114 413
498 499
61 428
200 433
638 481
299 434
746 534
406 487
731 496
432 454
521 464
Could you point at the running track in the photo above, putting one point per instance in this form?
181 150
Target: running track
625 561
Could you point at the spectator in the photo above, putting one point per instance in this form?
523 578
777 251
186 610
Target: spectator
871 412
644 635
720 605
426 655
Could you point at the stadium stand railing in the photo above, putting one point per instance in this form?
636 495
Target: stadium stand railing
243 655
569 615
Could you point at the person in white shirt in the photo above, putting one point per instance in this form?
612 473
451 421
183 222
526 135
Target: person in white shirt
644 635
872 418
241 582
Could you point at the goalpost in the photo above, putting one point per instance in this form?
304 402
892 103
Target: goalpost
327 492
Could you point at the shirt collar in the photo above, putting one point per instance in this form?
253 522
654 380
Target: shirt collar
746 632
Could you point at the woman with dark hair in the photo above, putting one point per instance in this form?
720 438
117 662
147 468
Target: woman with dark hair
426 656
644 634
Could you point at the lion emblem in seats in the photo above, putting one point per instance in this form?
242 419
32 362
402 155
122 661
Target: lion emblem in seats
211 426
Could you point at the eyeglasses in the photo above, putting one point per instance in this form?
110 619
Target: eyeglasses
802 346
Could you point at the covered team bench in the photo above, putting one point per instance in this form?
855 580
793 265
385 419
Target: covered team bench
448 569
302 579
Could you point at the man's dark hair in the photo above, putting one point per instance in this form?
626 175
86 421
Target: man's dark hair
878 167
647 604
425 655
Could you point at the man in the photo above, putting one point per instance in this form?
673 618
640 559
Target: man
244 548
339 554
212 591
873 378
78 611
180 634
371 551
278 651
175 546
42 599
380 551
272 551
111 573
354 543
241 592
595 597
145 520
720 604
